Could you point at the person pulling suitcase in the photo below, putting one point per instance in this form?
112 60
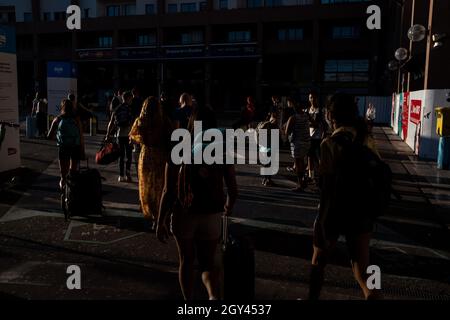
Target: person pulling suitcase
68 131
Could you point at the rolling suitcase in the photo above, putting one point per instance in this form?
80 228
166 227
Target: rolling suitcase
82 194
238 258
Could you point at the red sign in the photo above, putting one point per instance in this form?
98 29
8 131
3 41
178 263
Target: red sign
405 115
416 108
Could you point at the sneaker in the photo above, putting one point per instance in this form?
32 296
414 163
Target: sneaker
122 179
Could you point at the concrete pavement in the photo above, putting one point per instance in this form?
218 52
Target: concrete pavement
121 258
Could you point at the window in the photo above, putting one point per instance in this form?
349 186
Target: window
188 7
146 39
105 42
346 70
223 4
28 17
192 37
4 17
150 9
273 3
293 34
60 16
129 10
47 16
113 11
348 32
254 3
203 6
239 36
172 8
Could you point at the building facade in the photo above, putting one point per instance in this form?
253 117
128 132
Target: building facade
221 50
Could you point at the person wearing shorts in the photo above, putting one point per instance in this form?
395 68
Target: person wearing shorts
69 135
337 215
197 208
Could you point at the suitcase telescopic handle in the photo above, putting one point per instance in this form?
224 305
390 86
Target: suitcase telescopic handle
224 231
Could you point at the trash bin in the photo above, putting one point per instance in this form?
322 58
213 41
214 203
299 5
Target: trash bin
443 122
31 127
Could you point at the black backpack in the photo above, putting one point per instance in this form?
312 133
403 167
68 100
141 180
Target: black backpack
363 181
123 116
200 188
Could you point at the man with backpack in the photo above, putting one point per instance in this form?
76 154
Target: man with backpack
120 123
116 101
355 190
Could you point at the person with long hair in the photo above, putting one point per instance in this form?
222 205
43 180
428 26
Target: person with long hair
341 210
151 131
199 204
70 141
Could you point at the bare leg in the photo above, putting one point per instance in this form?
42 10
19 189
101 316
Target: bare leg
210 277
64 166
186 271
300 170
318 264
359 253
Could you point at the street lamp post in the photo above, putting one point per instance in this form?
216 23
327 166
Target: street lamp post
429 43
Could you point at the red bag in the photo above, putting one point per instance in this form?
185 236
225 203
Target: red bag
109 153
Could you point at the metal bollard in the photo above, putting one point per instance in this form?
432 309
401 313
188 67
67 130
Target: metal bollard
443 162
93 127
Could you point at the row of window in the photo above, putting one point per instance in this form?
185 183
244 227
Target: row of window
150 9
290 34
54 16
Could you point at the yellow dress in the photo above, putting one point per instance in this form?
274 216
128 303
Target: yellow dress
152 162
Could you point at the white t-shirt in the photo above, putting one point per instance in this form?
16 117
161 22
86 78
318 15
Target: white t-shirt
316 133
371 114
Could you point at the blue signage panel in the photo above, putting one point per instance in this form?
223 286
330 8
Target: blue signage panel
61 70
7 39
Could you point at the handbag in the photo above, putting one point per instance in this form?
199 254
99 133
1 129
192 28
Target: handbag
108 153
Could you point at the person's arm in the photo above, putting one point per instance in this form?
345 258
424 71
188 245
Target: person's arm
327 189
290 125
52 132
110 126
168 198
231 184
82 144
33 109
